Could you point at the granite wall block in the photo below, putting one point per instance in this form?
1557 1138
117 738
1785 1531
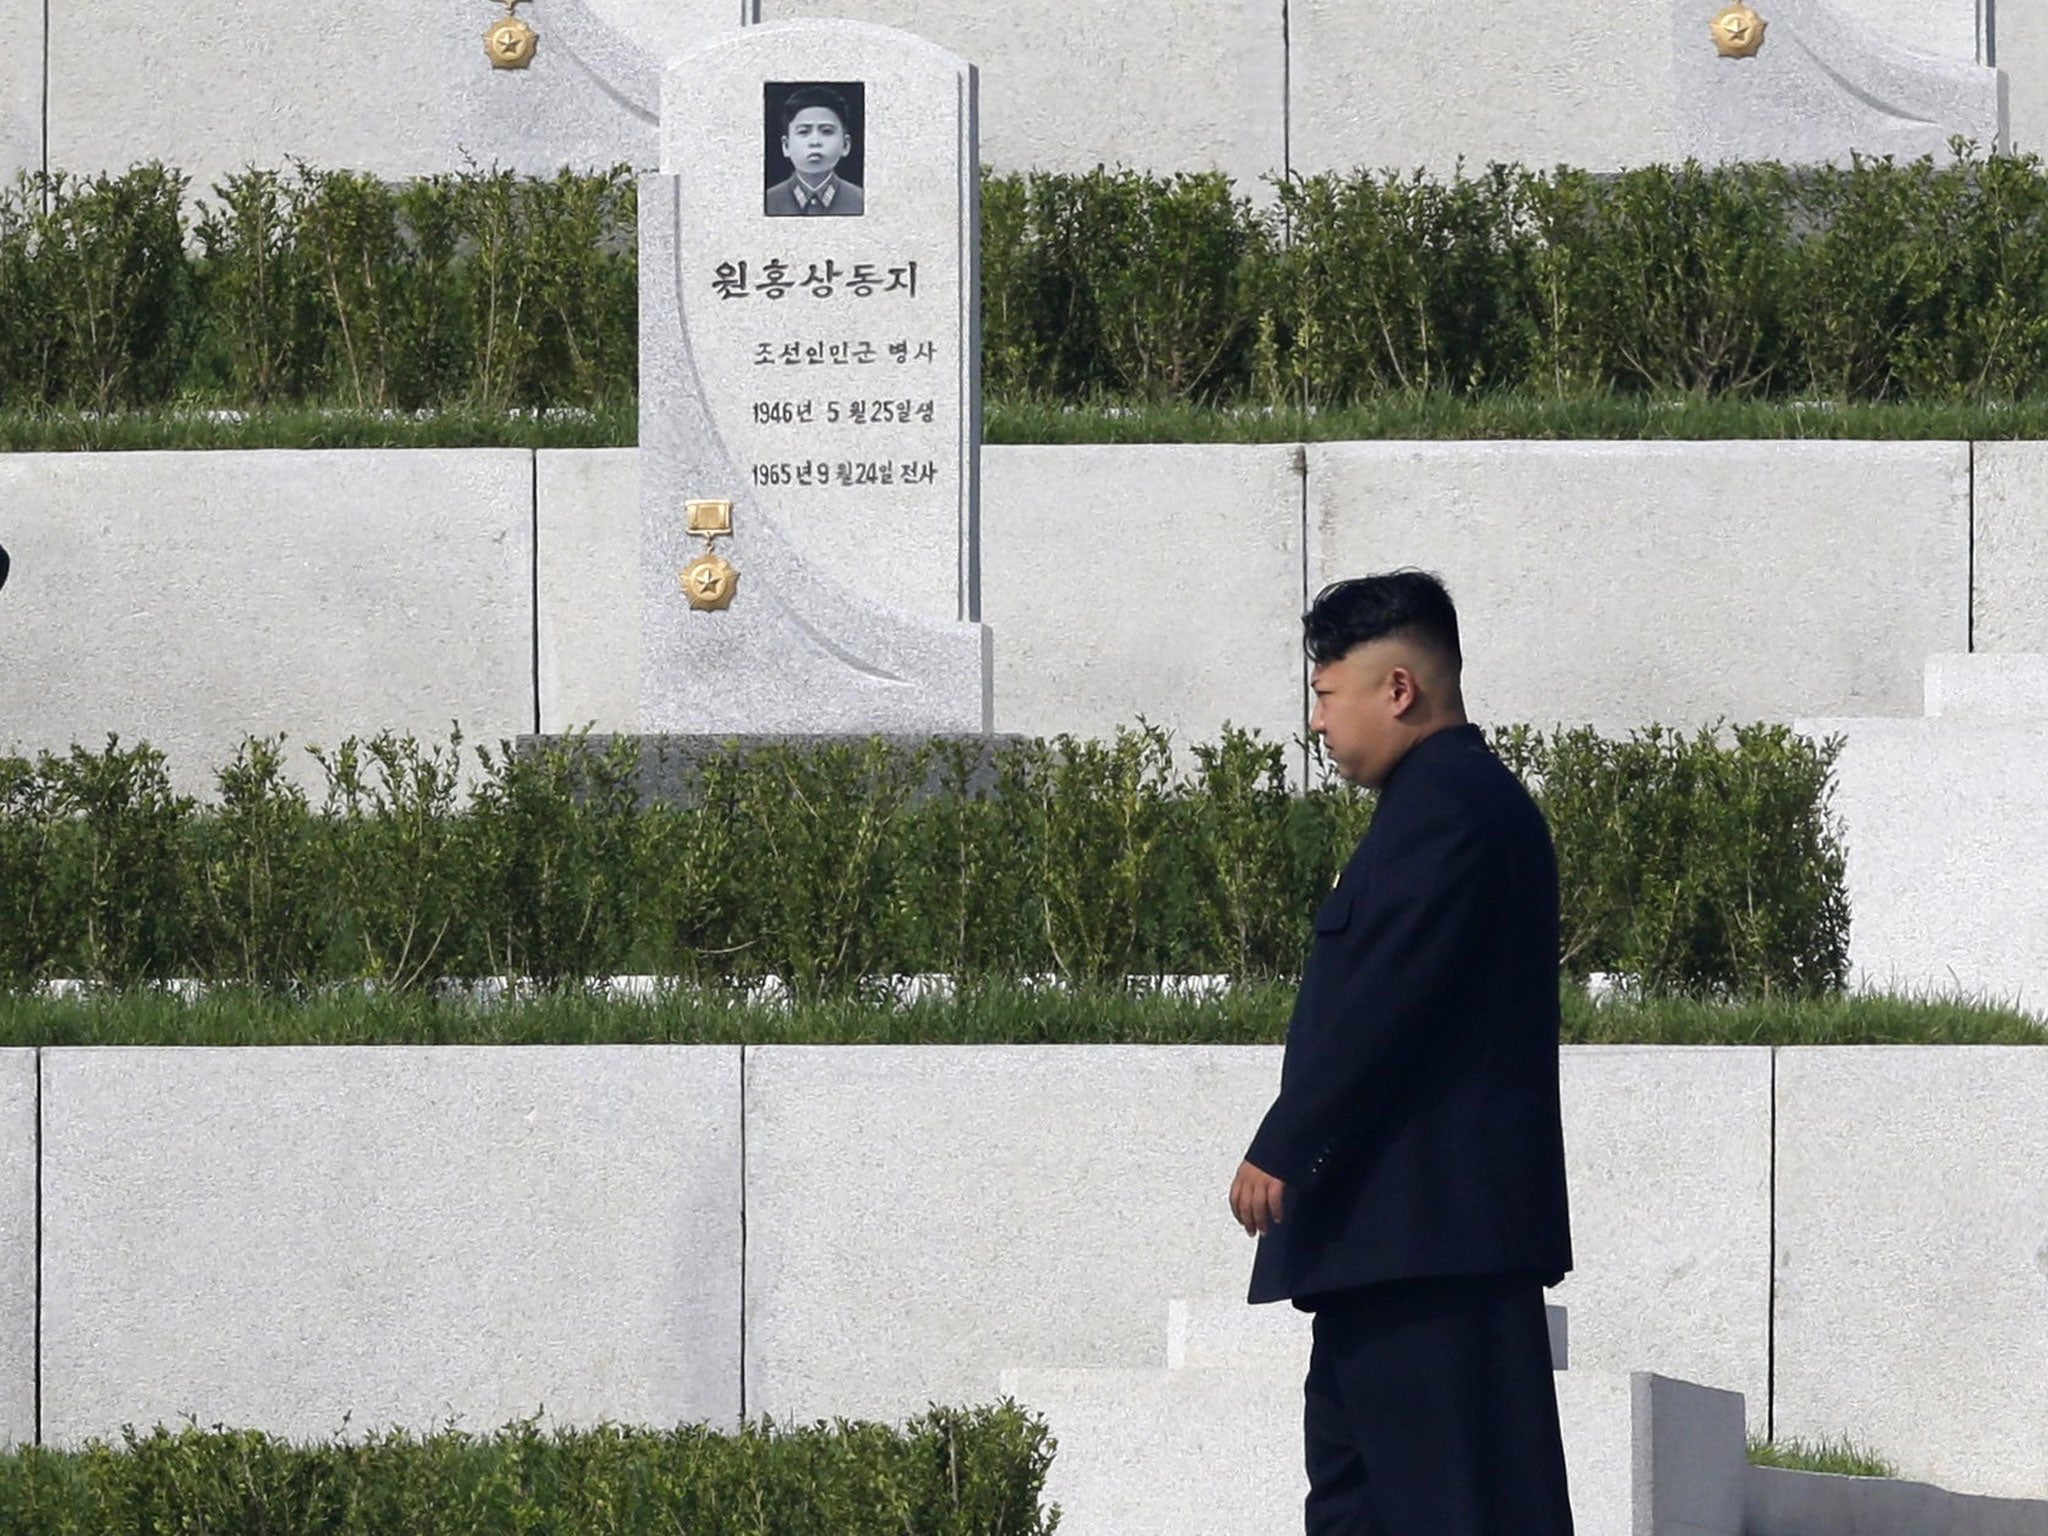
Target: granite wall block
1616 584
18 1130
191 599
1912 1259
289 1239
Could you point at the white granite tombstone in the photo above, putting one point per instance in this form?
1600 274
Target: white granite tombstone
810 354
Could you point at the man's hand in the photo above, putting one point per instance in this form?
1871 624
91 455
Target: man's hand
1255 1197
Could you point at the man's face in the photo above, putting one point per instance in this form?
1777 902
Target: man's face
1359 701
816 142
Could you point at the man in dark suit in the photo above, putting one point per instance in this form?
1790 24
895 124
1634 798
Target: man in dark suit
1407 1185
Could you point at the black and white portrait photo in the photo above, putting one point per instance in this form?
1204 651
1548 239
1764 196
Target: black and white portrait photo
813 153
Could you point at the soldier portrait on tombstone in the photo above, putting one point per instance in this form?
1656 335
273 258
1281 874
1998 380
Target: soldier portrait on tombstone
814 150
1407 1186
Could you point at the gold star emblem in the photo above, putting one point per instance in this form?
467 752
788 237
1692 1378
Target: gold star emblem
1738 32
710 583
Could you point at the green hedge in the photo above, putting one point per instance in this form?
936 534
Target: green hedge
950 1473
1878 282
482 289
1701 866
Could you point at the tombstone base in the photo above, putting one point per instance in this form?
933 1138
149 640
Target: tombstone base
670 771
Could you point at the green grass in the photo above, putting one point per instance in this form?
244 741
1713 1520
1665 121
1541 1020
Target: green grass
1513 417
206 427
1837 1456
1796 1021
1252 1014
1401 418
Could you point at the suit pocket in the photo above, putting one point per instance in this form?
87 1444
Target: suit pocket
1334 915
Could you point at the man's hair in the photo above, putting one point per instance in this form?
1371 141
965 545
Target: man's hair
1413 604
815 96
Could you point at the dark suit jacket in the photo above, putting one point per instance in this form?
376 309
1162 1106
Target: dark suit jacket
779 202
1417 1125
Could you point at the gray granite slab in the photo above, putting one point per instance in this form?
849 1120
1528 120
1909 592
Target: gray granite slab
921 1219
1945 823
21 88
18 1109
587 588
1162 581
288 1239
208 88
1617 584
185 599
1512 80
1064 1197
1983 686
1912 1259
1669 1158
2009 611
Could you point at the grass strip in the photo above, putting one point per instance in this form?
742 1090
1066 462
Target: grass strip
1001 1014
1840 1457
203 428
949 1473
1398 418
1513 417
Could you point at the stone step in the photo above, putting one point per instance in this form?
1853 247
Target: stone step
1986 687
1218 1451
1217 1332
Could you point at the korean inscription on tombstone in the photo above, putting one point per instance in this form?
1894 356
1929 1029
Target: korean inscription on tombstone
810 354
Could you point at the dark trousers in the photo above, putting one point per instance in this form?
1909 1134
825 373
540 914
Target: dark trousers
1431 1412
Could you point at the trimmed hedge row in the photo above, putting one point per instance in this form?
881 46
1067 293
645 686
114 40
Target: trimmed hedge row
1875 282
950 1473
482 289
1699 865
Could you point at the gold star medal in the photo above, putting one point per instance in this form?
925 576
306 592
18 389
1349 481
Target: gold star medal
511 43
709 582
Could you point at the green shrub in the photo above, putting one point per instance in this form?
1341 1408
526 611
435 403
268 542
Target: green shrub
977 1472
1701 866
94 273
1695 865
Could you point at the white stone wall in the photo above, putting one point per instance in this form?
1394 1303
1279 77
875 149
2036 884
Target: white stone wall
18 1104
1166 85
1616 584
2011 585
913 1283
587 555
192 598
1251 87
1669 1157
1945 823
294 1238
1912 1259
1384 86
1162 581
280 1237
